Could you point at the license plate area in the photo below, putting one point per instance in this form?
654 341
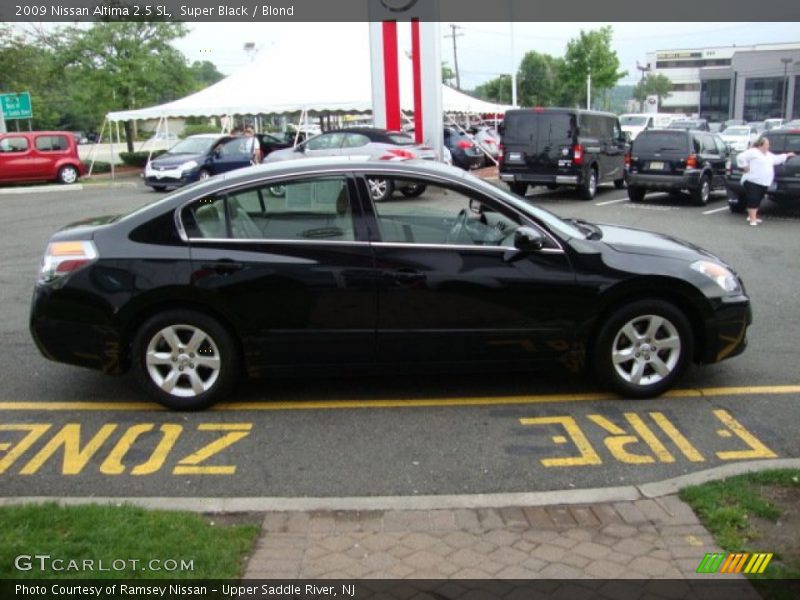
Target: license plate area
656 166
514 157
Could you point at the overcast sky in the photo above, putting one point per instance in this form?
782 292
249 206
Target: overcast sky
484 49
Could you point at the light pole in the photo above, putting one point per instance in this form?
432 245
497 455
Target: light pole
644 69
786 62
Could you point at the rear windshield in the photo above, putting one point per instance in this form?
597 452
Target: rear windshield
683 125
524 128
779 144
633 121
660 141
401 139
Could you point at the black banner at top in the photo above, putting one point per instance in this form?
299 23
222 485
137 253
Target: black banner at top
373 10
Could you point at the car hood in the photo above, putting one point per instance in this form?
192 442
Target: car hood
638 241
169 161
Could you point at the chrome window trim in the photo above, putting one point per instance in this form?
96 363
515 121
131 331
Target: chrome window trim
360 170
460 247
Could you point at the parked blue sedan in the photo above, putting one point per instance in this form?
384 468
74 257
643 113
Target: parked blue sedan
197 157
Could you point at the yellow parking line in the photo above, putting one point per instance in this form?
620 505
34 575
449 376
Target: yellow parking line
400 402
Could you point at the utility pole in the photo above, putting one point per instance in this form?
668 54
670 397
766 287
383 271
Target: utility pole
644 69
454 35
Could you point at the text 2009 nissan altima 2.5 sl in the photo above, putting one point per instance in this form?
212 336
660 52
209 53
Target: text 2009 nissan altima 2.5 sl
290 266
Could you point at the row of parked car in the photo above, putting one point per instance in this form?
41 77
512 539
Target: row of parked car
556 147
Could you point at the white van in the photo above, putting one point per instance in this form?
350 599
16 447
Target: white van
635 123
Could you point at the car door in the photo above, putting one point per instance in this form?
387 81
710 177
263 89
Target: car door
230 155
713 156
787 175
18 159
288 260
451 287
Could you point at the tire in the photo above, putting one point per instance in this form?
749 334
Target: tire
589 189
185 359
619 183
67 174
159 188
736 203
414 190
636 194
656 336
518 188
380 189
701 193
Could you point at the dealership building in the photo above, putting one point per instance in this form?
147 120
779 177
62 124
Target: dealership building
753 83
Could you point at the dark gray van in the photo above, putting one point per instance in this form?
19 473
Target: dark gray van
562 146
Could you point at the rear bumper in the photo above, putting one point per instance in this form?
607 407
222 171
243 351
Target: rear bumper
664 182
559 178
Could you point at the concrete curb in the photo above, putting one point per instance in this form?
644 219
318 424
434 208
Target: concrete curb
465 501
74 187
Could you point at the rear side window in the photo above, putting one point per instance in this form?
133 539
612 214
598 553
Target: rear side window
660 141
779 144
525 128
596 126
51 143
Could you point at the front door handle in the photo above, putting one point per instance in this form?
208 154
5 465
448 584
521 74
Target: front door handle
223 267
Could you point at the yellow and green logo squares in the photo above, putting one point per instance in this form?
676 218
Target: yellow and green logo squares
735 562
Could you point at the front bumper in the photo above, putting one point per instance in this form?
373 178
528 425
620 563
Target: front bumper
726 330
169 177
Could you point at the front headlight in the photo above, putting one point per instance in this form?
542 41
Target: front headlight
718 274
188 165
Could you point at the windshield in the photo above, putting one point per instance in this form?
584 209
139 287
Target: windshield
538 128
737 131
682 125
632 121
193 146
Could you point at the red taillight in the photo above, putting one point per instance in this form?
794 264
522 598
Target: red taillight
62 258
397 154
691 162
500 150
464 144
538 109
627 159
577 154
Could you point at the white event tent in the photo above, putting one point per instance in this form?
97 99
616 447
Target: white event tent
330 84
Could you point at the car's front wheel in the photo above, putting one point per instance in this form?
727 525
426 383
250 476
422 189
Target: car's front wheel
642 348
185 359
735 202
67 174
636 194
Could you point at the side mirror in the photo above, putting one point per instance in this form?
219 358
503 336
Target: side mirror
528 239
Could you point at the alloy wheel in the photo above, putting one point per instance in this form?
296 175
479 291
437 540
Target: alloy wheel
183 360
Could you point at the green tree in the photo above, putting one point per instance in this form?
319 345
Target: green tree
205 73
496 90
122 65
591 53
539 80
655 84
448 75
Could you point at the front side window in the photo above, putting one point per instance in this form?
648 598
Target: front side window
355 140
326 141
13 144
318 209
434 214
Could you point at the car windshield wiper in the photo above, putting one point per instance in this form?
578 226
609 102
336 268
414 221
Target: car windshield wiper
591 230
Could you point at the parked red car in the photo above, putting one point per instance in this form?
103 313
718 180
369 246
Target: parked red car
39 155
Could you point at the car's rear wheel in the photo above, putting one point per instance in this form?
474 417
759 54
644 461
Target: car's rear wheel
185 359
619 183
67 174
701 193
413 190
518 188
636 194
380 189
642 348
589 188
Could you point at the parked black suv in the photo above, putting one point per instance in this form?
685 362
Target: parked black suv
785 187
562 146
673 160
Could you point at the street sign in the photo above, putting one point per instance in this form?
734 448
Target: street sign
16 106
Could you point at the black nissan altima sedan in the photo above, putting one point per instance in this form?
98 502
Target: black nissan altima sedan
292 266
